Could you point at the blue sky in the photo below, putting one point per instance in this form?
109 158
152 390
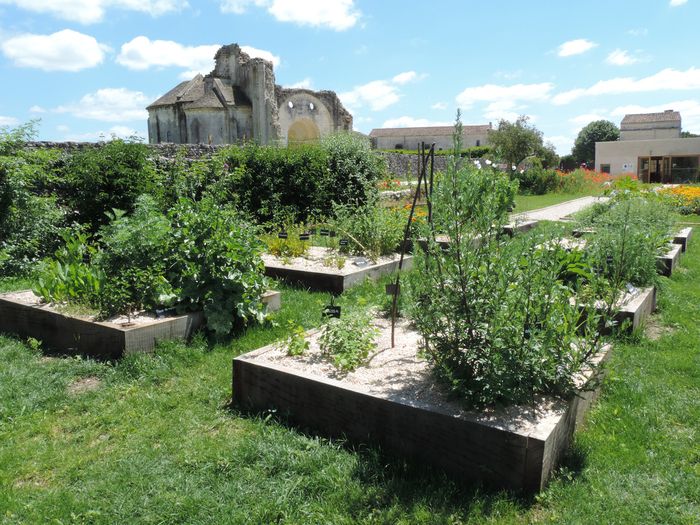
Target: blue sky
89 67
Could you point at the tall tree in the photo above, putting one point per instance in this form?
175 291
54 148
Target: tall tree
596 131
513 141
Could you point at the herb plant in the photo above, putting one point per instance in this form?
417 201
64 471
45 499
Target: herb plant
348 340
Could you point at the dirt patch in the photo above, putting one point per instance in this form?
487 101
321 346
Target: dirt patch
84 384
654 330
31 482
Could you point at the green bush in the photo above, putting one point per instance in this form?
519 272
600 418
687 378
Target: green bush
215 266
134 255
536 180
498 323
108 177
31 220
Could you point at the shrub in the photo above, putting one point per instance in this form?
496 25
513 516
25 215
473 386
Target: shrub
31 224
354 169
108 177
134 252
498 324
215 266
536 181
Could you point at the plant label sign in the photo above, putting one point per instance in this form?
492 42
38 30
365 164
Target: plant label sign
324 233
332 233
360 261
282 235
304 236
331 310
392 288
344 242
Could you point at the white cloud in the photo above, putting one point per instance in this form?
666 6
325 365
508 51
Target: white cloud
676 3
406 77
304 83
110 105
240 6
378 95
621 57
561 143
37 109
115 132
410 122
665 80
689 109
575 47
639 31
8 121
338 15
586 118
439 106
143 53
91 11
504 94
262 53
65 50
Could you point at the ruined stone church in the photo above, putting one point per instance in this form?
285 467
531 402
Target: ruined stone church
239 101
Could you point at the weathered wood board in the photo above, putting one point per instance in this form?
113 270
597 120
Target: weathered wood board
517 448
331 280
683 238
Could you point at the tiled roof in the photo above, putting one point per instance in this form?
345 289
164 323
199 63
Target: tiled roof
664 116
199 93
429 131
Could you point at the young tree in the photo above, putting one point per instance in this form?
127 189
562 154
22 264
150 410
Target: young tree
596 131
513 141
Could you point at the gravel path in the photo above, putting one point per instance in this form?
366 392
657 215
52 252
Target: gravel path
557 212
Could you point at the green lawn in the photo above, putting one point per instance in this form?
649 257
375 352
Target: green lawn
152 439
533 202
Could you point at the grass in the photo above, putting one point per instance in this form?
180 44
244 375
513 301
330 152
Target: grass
156 441
533 202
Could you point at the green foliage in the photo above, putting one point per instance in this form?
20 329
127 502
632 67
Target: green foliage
497 320
348 340
277 184
536 180
134 254
473 152
289 247
12 140
371 229
296 341
31 221
354 168
70 276
596 131
568 163
630 232
514 141
108 177
215 265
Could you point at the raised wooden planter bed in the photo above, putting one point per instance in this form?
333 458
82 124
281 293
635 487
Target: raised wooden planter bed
668 262
683 237
403 411
519 227
328 278
22 314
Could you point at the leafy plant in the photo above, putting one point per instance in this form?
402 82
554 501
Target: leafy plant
71 276
372 230
288 247
296 342
215 265
348 340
